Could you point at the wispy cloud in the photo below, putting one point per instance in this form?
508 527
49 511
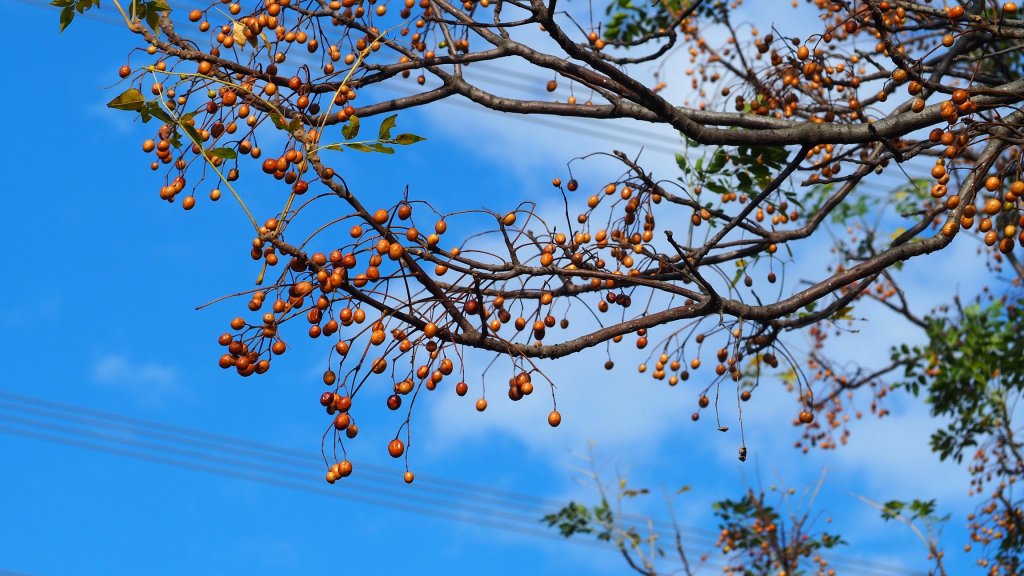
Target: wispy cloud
151 381
116 120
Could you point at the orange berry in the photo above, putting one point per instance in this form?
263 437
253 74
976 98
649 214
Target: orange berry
345 467
554 418
993 206
396 448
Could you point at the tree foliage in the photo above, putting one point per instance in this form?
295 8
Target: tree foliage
755 537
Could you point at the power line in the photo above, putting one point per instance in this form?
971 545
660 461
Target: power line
240 458
299 485
349 491
239 447
241 451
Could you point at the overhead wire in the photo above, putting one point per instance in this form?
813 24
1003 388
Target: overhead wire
241 449
234 457
238 446
413 502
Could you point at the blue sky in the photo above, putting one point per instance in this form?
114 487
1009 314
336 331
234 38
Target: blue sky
101 287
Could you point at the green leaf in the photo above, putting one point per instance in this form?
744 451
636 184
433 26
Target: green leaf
153 19
61 3
736 278
384 133
157 112
193 134
406 139
744 181
378 147
923 508
892 509
67 14
159 6
715 186
130 99
359 147
225 153
842 314
351 130
572 519
717 161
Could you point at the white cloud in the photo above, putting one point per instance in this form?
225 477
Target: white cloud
616 411
120 121
151 381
